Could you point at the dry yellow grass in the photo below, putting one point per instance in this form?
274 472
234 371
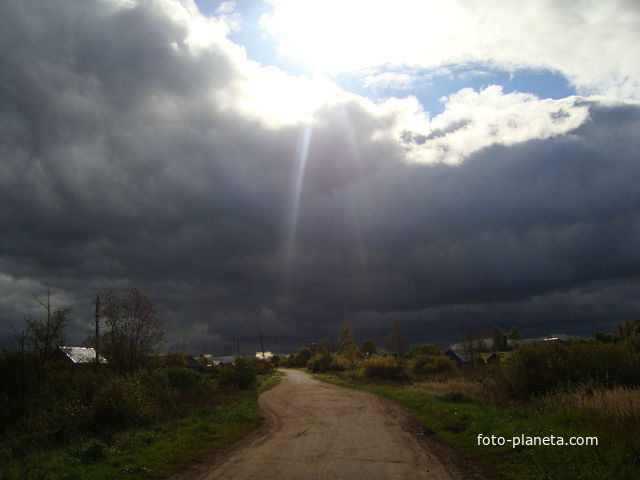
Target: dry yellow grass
472 389
620 405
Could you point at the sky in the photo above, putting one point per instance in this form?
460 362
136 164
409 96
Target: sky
283 167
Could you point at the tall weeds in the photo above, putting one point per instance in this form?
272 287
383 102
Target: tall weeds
618 407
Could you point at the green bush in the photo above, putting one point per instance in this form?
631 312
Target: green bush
182 378
167 360
320 362
388 368
120 403
302 357
538 368
90 451
240 374
430 364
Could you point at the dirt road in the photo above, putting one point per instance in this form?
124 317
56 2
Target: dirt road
316 430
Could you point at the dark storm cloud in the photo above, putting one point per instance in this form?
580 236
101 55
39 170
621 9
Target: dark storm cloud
120 167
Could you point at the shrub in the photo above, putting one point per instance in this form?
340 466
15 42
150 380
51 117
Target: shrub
90 452
120 403
302 357
429 364
388 368
167 360
240 374
544 366
320 362
182 378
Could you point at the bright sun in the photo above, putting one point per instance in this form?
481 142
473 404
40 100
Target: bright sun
334 36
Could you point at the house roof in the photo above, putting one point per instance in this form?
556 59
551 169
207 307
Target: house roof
463 356
81 354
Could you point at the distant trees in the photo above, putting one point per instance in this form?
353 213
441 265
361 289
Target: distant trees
467 342
396 342
514 336
369 347
45 335
324 346
481 345
424 349
629 328
498 339
345 336
133 329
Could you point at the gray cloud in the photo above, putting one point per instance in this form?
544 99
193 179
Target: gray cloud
120 167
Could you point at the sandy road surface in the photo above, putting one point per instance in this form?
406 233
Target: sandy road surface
316 430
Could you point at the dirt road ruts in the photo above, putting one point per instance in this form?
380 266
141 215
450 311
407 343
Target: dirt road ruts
316 430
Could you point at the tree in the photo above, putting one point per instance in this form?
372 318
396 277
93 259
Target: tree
468 346
498 338
514 336
425 349
324 346
467 343
396 342
369 347
303 356
134 329
345 336
481 345
44 336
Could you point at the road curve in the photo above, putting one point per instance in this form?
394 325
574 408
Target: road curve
317 430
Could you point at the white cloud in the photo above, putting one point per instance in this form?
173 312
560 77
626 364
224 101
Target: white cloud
473 120
595 44
387 79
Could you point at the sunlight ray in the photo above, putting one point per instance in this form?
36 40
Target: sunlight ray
294 201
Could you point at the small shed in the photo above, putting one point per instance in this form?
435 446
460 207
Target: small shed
461 358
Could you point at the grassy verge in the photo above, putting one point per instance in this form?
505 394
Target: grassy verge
153 452
458 420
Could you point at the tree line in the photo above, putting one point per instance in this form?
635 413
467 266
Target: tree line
131 324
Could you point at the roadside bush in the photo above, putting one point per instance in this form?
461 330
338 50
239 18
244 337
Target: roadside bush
388 368
302 357
429 364
120 403
240 374
182 378
320 362
539 368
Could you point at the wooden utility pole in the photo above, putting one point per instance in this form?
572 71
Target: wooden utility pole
264 360
238 341
97 328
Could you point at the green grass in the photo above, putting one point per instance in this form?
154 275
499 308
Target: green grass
458 420
270 382
149 453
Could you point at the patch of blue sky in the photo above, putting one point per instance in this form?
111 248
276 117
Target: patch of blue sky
430 86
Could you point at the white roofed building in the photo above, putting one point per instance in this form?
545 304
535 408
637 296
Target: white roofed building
81 355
